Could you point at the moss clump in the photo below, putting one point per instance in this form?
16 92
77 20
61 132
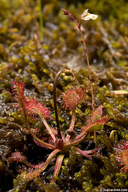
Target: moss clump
36 61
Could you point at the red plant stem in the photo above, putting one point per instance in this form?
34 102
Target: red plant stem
72 121
84 153
85 49
57 167
30 165
39 166
48 129
87 58
90 77
89 71
72 124
76 141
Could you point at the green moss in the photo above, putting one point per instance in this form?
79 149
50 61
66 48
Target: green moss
72 157
36 62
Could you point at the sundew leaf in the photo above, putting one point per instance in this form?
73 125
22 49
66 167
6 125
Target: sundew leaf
94 126
97 114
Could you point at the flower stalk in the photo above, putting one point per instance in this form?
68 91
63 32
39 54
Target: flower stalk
55 103
85 16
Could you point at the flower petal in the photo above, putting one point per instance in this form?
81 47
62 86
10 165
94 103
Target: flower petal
84 14
90 16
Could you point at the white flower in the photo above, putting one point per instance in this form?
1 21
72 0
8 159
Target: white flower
86 16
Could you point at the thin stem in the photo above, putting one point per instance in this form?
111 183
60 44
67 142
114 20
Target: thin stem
84 153
31 165
89 71
48 129
57 167
76 141
70 131
55 104
85 49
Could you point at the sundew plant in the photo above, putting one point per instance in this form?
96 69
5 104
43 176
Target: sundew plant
59 142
